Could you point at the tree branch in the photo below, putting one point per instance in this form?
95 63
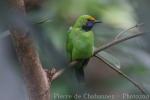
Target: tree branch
115 42
35 76
61 71
122 32
108 45
122 74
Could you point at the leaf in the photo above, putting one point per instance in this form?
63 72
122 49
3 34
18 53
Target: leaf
109 58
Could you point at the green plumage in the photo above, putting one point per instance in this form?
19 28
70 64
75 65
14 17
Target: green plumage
80 44
80 41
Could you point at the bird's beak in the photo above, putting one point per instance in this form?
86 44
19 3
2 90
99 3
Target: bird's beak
97 21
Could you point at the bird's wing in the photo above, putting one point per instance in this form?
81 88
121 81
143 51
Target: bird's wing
69 43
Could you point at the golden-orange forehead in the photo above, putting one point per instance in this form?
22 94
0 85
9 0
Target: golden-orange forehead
91 18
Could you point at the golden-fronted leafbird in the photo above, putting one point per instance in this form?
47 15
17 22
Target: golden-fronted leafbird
80 42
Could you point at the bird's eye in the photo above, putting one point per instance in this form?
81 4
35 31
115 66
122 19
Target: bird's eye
89 20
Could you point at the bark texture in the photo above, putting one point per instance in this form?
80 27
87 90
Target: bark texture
35 77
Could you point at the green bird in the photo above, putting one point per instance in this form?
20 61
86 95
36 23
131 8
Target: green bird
80 42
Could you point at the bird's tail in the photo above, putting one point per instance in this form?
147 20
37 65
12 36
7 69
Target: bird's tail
79 70
79 74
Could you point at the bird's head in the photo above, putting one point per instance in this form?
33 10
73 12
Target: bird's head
86 22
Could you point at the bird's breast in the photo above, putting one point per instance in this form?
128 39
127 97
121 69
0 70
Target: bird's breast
83 45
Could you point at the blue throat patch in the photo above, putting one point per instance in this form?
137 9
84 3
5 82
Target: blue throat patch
88 26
